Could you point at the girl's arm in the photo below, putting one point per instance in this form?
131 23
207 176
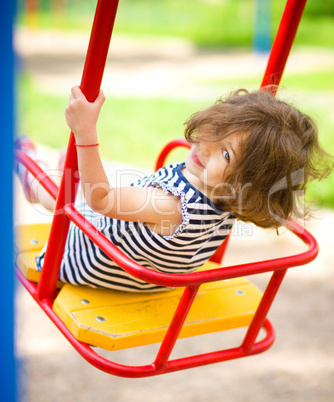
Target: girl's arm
161 212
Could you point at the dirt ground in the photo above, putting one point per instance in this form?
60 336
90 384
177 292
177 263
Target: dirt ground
299 366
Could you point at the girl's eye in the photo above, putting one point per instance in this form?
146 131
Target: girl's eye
226 155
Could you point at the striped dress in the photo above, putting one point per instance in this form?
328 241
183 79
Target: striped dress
203 229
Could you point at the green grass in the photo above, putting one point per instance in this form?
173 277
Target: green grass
133 130
223 23
203 23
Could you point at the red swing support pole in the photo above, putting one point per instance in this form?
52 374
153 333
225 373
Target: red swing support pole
283 42
90 85
278 57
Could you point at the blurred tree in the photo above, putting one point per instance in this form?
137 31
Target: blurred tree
317 8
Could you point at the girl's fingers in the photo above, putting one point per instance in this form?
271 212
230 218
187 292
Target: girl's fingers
100 98
76 92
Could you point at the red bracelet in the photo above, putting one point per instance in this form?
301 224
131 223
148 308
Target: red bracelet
86 145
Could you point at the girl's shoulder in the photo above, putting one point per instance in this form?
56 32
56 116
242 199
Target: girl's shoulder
168 174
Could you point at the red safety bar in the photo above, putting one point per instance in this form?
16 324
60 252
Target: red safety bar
44 293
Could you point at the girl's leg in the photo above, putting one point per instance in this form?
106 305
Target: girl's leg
33 190
42 196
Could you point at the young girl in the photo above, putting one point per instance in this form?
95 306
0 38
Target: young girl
251 155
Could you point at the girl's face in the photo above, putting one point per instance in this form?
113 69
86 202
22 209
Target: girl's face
208 162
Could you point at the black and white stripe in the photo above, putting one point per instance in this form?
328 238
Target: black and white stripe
203 229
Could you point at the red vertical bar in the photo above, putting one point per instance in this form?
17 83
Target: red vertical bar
262 311
219 253
90 85
283 42
175 326
177 142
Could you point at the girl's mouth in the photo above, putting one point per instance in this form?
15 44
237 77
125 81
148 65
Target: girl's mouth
195 158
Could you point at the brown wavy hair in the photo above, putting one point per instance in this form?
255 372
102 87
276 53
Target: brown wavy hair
279 154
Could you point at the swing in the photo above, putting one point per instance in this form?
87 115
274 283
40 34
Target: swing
208 300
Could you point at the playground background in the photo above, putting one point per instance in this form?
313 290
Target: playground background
153 83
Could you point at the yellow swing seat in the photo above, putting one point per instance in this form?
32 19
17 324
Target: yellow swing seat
115 320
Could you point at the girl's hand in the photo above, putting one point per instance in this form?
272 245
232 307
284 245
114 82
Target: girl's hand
81 116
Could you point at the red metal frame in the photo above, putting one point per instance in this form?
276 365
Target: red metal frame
45 292
283 42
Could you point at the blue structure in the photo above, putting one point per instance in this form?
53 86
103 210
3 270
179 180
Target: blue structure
262 26
8 370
